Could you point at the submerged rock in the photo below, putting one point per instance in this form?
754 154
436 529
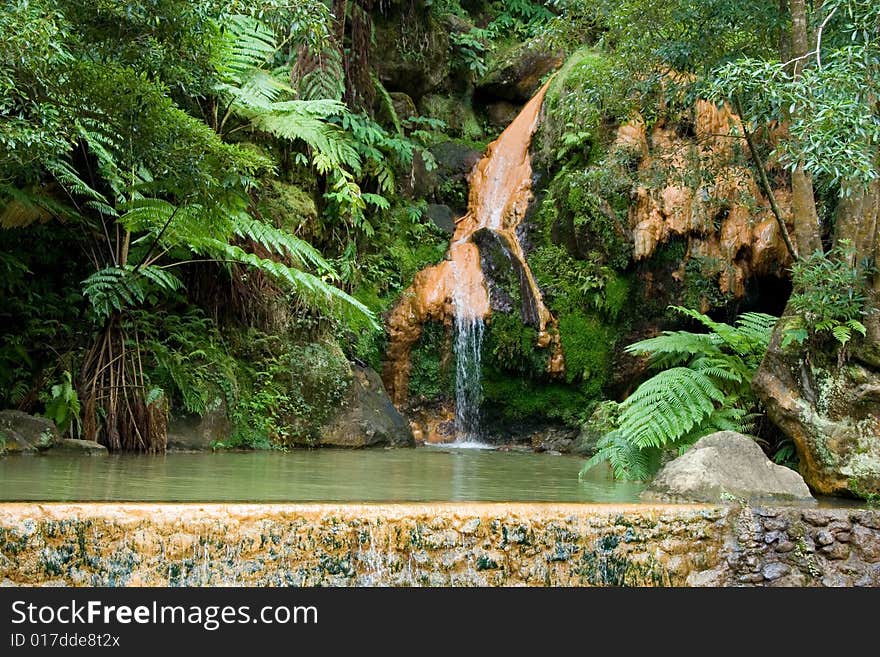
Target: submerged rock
725 464
368 418
23 433
74 446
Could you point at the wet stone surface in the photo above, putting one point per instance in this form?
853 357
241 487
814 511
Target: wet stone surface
443 544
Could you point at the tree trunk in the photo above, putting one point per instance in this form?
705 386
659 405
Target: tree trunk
803 205
803 209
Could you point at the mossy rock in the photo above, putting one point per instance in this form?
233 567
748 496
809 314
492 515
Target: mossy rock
457 113
21 433
367 418
287 206
517 74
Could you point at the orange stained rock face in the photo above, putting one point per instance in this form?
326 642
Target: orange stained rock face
500 192
723 216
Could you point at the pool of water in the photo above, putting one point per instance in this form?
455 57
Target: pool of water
403 475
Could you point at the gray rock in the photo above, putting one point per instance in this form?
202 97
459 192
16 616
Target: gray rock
707 578
785 546
197 432
73 446
442 217
367 418
867 542
553 440
403 105
835 580
817 517
775 570
725 464
837 551
868 518
23 433
455 159
771 524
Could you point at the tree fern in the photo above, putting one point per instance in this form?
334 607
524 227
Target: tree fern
704 385
118 288
316 292
667 406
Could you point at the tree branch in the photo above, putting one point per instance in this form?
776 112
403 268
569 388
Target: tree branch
765 184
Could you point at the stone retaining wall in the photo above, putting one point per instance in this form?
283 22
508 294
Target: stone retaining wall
448 544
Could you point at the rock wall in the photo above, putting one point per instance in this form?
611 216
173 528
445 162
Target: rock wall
449 544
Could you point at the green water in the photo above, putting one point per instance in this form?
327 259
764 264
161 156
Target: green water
402 475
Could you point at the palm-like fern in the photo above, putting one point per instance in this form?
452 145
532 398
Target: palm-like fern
166 226
703 386
264 99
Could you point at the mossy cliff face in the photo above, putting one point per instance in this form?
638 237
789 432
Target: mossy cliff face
450 544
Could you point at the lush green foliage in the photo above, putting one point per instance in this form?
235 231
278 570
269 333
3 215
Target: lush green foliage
704 385
160 143
828 100
828 296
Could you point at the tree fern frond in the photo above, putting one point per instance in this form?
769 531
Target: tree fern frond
672 347
307 120
114 289
627 461
668 406
250 44
325 80
70 180
281 243
313 290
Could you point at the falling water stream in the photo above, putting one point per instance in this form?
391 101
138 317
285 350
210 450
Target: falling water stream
500 192
467 345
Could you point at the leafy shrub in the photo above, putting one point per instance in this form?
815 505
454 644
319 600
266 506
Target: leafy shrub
587 344
430 375
828 296
510 346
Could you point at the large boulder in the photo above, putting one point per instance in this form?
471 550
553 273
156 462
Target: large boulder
455 159
442 217
722 466
831 411
196 432
23 433
367 417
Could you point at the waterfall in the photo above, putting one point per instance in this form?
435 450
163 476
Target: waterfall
467 345
500 192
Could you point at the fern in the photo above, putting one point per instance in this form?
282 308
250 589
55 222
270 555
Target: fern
315 291
281 243
667 406
114 289
703 386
